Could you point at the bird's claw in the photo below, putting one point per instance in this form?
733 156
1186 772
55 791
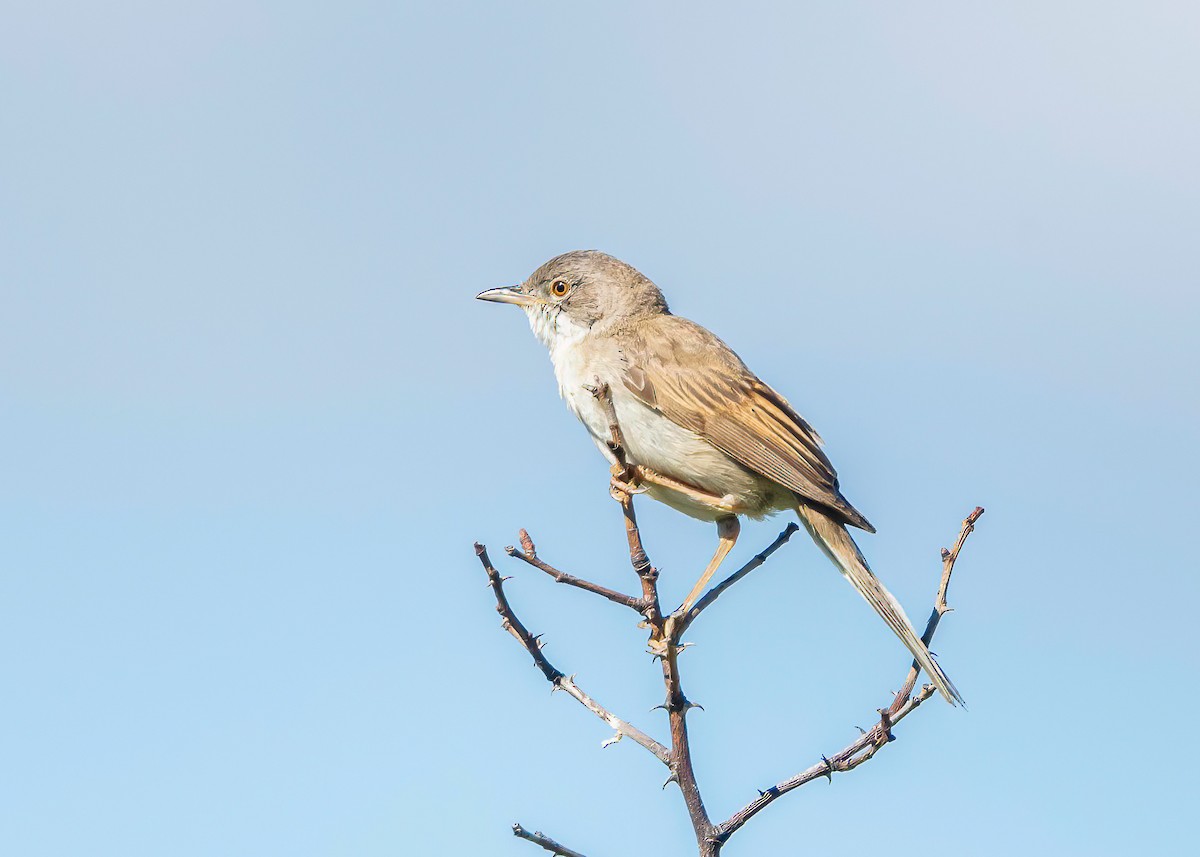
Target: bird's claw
663 639
620 487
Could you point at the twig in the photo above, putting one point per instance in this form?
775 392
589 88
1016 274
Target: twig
556 677
847 759
715 593
677 706
940 608
539 838
878 737
528 555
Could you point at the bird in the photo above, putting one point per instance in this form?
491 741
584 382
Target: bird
702 432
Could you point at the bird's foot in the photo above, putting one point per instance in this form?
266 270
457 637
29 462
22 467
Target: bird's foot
658 645
663 636
624 483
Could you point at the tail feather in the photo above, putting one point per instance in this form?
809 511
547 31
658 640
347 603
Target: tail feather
837 544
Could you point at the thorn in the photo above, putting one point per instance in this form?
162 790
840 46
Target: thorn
688 705
662 705
503 579
613 740
828 768
592 388
945 554
674 778
861 731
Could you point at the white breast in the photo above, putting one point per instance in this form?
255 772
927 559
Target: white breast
650 438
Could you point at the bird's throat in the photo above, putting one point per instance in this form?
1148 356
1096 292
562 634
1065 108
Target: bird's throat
555 329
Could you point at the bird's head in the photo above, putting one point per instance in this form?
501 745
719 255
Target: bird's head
579 292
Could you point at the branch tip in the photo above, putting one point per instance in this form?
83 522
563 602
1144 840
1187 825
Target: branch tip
539 838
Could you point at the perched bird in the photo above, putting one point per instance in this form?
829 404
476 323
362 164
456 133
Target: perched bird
703 433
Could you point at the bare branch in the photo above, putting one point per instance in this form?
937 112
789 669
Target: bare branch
513 625
878 737
715 593
528 555
847 759
539 838
664 636
677 706
949 557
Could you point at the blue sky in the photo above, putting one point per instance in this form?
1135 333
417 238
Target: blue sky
253 419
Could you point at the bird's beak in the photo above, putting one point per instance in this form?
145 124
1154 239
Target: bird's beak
508 295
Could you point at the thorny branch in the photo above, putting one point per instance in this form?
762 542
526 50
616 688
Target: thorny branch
556 677
528 554
940 608
878 737
665 635
664 639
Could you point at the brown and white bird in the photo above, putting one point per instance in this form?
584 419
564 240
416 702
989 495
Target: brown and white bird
706 435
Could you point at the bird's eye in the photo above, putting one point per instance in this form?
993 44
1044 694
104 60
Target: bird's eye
559 288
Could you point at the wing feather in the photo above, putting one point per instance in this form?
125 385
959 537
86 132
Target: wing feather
691 377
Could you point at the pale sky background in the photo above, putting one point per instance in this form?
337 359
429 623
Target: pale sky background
251 419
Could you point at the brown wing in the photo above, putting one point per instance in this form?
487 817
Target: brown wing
693 378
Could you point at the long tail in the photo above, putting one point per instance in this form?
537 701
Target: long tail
833 539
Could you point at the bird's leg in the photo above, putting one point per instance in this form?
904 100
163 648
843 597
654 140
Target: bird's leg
727 534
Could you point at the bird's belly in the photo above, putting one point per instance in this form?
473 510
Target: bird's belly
661 445
656 442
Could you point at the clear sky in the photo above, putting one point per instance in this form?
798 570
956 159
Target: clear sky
252 418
